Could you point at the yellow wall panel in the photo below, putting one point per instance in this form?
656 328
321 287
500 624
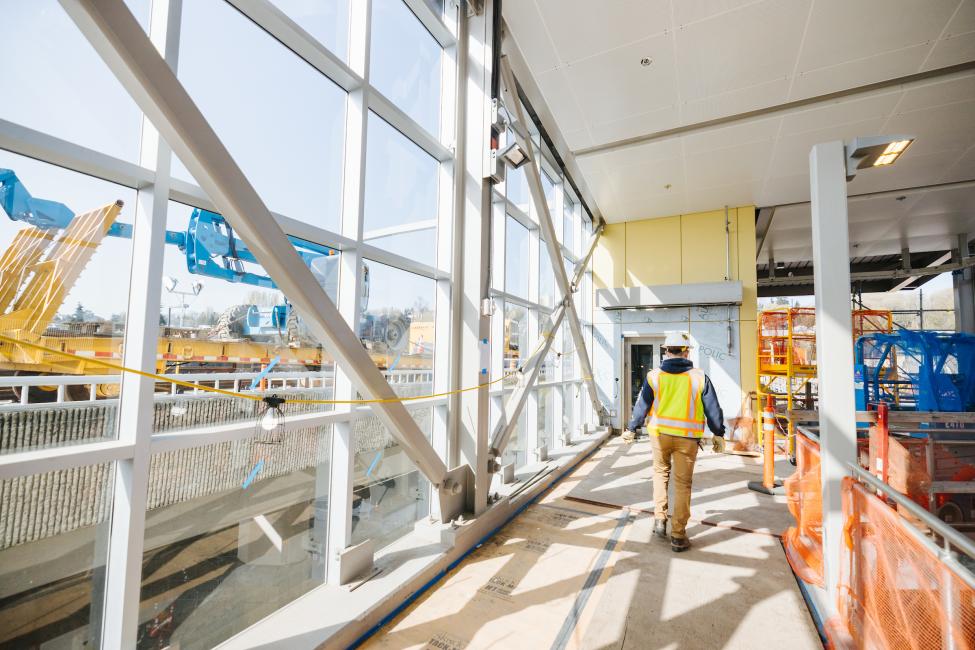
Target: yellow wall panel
704 248
609 258
653 252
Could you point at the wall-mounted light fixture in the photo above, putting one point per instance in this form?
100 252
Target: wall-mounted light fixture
874 151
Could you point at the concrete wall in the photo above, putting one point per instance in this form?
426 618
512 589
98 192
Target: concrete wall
684 248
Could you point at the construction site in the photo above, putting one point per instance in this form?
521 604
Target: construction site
447 324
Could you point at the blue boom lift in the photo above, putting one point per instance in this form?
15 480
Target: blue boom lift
212 250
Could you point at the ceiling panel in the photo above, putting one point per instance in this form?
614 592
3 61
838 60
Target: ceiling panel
753 45
736 61
614 85
691 11
842 31
535 44
858 72
582 28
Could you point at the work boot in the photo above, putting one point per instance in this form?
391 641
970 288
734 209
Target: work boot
679 544
660 528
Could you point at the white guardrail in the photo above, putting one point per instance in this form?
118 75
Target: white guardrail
235 381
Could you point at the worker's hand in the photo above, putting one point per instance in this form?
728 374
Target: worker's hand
628 436
717 444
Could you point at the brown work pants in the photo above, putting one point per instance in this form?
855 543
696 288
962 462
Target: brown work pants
679 454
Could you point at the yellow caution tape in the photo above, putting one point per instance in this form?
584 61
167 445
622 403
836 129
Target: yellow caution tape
250 396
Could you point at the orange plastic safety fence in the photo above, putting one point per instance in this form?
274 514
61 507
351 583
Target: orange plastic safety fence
894 592
804 541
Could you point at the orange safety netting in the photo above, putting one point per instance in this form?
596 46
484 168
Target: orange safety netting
894 592
804 542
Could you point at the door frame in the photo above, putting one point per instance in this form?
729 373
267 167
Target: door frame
656 340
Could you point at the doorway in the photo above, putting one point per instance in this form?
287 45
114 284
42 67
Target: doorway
640 356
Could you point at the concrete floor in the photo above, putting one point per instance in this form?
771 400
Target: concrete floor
569 573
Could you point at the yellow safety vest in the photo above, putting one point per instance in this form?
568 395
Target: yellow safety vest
678 409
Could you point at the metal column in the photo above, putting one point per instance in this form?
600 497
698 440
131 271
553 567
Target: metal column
472 251
964 284
123 580
834 334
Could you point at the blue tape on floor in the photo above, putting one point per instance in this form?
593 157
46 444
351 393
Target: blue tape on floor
569 626
435 579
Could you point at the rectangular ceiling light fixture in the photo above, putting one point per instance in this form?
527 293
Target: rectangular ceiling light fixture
874 151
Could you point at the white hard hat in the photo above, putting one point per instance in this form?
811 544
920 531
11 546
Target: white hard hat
677 340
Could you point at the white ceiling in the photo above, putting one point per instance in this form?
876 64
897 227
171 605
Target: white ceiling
720 58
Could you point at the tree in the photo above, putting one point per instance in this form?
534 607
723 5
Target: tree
82 315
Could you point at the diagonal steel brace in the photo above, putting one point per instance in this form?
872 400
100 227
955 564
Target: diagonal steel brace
533 176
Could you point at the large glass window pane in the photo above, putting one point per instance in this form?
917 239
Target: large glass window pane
568 352
397 327
516 450
401 194
326 20
516 259
515 348
64 284
548 186
548 371
389 495
234 531
281 119
226 325
55 82
546 277
53 547
405 62
547 417
569 223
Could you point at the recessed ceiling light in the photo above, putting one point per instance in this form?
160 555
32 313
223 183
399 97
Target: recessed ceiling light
646 61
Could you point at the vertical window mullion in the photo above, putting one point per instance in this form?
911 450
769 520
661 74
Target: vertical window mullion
350 285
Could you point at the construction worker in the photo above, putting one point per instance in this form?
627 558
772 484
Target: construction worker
675 402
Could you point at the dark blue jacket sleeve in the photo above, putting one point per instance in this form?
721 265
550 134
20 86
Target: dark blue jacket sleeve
641 408
712 410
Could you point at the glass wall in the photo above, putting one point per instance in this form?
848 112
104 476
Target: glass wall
236 493
53 550
64 285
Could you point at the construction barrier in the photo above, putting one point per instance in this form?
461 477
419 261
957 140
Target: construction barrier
895 592
804 542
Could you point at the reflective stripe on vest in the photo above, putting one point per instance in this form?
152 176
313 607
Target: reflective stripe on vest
678 408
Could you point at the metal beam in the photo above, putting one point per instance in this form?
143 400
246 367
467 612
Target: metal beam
914 189
763 223
907 81
472 251
834 331
580 267
119 39
533 176
892 274
294 37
